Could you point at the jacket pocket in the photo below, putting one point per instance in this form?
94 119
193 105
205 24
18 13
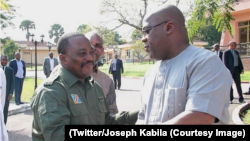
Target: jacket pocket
49 114
101 104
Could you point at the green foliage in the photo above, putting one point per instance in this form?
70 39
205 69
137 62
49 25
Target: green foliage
28 89
246 117
218 11
209 34
4 5
8 12
9 48
110 37
84 28
56 31
3 41
139 51
27 25
136 35
118 38
130 69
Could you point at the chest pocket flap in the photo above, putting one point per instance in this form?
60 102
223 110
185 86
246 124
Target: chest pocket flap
101 104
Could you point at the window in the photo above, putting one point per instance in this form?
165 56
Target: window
243 23
128 53
244 31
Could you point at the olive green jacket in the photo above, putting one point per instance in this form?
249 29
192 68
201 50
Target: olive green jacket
62 99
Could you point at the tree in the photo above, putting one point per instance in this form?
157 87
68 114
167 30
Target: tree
110 38
4 5
84 28
9 48
3 41
138 50
129 12
56 30
218 11
7 14
132 13
209 34
136 35
27 25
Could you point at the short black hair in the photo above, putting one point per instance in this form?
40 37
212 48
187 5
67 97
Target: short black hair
2 56
217 44
63 41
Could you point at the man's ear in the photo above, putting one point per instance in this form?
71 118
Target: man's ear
62 58
169 27
103 50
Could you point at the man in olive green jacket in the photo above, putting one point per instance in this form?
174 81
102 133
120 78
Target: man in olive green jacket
70 96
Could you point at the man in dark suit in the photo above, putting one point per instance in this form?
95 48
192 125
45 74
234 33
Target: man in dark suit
217 51
9 85
49 64
116 68
19 69
231 59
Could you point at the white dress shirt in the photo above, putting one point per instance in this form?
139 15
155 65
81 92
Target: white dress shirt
52 64
19 73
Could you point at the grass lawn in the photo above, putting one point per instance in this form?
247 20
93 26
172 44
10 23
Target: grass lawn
130 69
245 77
139 69
28 89
246 117
39 67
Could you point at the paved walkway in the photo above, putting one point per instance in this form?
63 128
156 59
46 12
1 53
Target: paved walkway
131 93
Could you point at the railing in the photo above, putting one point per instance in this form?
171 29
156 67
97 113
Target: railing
242 48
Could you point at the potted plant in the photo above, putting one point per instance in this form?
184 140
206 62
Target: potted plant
239 112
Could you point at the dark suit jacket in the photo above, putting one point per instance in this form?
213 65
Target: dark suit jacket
10 84
119 67
228 60
13 65
220 54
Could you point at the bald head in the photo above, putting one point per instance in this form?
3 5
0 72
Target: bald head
167 12
17 56
51 55
216 47
97 42
96 37
232 42
232 45
164 31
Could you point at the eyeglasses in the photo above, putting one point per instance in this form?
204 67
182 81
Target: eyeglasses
146 31
97 45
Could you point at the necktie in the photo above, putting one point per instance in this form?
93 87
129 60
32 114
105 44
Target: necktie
234 58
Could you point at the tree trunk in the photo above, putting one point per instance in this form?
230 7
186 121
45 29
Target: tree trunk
28 35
